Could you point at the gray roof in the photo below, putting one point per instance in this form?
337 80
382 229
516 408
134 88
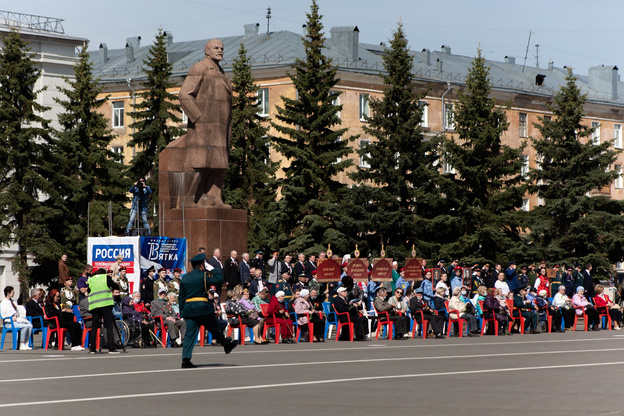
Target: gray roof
281 49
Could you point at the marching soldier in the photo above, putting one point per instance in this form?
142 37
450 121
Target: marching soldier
197 310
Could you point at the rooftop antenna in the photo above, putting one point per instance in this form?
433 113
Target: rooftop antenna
537 55
527 51
268 17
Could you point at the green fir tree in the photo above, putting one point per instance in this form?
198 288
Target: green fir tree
155 115
573 224
486 187
90 175
250 177
396 202
26 167
315 150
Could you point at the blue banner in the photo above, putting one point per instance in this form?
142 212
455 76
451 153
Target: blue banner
163 252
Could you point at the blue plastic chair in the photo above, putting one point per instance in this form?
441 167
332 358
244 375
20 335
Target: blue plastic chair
330 317
43 329
14 332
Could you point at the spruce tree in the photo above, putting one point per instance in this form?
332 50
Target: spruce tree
89 175
486 188
25 161
572 225
155 115
314 148
250 177
396 200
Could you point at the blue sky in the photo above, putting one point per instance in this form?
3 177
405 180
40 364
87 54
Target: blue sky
576 33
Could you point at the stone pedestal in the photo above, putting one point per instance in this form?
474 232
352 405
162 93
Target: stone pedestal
208 227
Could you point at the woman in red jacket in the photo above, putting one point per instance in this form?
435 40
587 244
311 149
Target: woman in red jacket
277 313
605 305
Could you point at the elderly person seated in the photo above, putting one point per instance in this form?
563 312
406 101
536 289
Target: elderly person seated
605 305
399 301
420 310
352 308
492 309
580 303
526 309
400 322
137 317
252 318
564 303
278 314
439 301
304 308
176 326
457 309
545 308
34 308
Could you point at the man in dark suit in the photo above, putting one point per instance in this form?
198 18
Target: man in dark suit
360 323
34 307
588 282
257 283
258 261
300 266
231 271
197 310
244 269
310 266
215 262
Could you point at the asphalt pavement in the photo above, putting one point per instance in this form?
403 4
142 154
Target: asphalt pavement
548 374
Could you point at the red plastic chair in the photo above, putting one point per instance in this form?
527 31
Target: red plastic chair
310 327
87 332
265 312
341 324
163 329
242 330
459 320
513 319
576 317
423 324
486 320
388 323
60 332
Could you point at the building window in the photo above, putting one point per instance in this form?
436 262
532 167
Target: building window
449 117
118 114
596 132
617 136
117 150
364 107
619 182
336 101
447 167
364 158
263 102
524 169
522 125
525 204
424 122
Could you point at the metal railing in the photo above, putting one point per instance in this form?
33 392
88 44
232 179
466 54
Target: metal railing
31 22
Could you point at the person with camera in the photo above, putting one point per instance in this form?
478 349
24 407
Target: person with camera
140 192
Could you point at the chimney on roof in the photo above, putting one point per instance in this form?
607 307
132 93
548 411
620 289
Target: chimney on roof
446 49
134 42
603 80
169 37
550 65
345 40
438 65
103 53
129 53
510 60
251 30
426 57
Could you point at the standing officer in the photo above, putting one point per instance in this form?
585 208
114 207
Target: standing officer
197 310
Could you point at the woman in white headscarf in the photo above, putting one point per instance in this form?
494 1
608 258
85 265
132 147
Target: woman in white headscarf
305 309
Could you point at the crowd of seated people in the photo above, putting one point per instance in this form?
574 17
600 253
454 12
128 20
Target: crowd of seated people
294 302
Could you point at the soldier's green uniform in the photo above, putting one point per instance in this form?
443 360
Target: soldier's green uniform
555 282
197 309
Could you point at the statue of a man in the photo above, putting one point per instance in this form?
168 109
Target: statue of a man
206 98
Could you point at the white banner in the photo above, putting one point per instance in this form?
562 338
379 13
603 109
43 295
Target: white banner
101 253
